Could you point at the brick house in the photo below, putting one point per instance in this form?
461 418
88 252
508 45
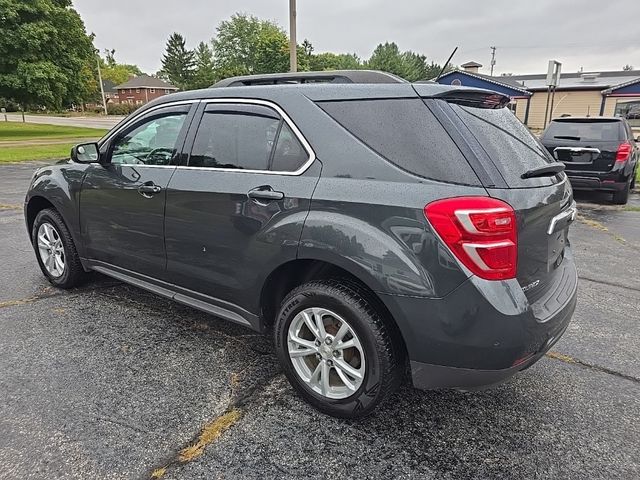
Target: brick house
143 89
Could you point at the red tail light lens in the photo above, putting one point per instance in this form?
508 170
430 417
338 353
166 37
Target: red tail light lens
624 150
480 231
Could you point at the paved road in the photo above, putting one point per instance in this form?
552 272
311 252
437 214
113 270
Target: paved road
110 382
89 122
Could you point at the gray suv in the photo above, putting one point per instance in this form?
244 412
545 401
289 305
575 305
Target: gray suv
375 229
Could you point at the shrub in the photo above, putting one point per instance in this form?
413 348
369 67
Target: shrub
10 105
121 108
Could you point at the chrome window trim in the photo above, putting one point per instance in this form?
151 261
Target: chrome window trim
133 119
296 131
266 103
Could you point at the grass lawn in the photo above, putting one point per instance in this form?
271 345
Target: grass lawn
26 132
34 152
15 131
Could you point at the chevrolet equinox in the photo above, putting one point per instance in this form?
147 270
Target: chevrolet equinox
375 229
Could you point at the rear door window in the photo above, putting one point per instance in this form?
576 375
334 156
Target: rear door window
246 137
236 137
509 144
405 133
585 130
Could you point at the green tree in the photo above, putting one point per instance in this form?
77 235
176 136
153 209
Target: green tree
246 45
45 53
117 72
416 67
388 58
178 62
333 61
204 75
271 52
409 65
235 45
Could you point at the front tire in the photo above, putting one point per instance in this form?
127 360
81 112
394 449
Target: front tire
55 250
336 349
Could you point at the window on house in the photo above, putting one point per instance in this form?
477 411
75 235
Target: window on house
137 90
138 102
167 91
153 90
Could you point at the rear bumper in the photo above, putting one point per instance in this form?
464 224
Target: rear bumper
605 181
426 376
483 332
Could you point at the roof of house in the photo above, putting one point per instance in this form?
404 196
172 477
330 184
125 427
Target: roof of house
504 81
109 86
578 80
146 81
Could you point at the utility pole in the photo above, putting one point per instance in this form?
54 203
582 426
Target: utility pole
293 54
104 102
493 59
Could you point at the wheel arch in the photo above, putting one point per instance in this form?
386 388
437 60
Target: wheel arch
35 205
291 274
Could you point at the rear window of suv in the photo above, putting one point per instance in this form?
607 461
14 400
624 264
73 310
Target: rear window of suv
585 130
405 133
509 144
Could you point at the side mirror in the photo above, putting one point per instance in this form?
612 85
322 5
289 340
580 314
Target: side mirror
86 153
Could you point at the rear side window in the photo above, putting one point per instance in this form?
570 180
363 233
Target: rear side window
593 131
289 154
405 133
513 149
246 137
241 140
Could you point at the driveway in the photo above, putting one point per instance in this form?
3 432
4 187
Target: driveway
108 381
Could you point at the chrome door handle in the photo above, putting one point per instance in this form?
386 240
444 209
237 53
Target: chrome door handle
265 193
149 189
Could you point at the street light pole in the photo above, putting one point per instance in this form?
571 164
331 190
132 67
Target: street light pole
104 102
293 54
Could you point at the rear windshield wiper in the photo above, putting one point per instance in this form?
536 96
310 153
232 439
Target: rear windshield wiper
567 137
544 171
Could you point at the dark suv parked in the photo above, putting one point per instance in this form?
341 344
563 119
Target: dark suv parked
372 227
599 153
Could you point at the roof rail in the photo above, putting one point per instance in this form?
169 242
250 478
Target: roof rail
329 76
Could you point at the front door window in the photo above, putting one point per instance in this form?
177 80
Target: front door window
151 143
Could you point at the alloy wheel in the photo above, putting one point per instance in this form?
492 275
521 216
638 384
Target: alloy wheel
51 250
326 353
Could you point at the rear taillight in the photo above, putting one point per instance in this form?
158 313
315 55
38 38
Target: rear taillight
480 231
624 150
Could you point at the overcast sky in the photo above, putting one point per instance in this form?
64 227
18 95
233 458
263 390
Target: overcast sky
591 34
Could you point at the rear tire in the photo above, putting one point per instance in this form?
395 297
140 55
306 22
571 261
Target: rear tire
377 357
622 197
55 250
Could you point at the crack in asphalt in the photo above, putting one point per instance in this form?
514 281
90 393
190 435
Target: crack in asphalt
591 366
213 429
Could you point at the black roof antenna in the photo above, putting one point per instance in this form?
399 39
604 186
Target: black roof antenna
446 63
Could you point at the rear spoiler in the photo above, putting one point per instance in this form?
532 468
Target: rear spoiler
467 96
475 98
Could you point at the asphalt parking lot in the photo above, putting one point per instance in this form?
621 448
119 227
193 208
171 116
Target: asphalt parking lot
110 382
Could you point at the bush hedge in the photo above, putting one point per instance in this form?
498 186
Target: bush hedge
121 108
